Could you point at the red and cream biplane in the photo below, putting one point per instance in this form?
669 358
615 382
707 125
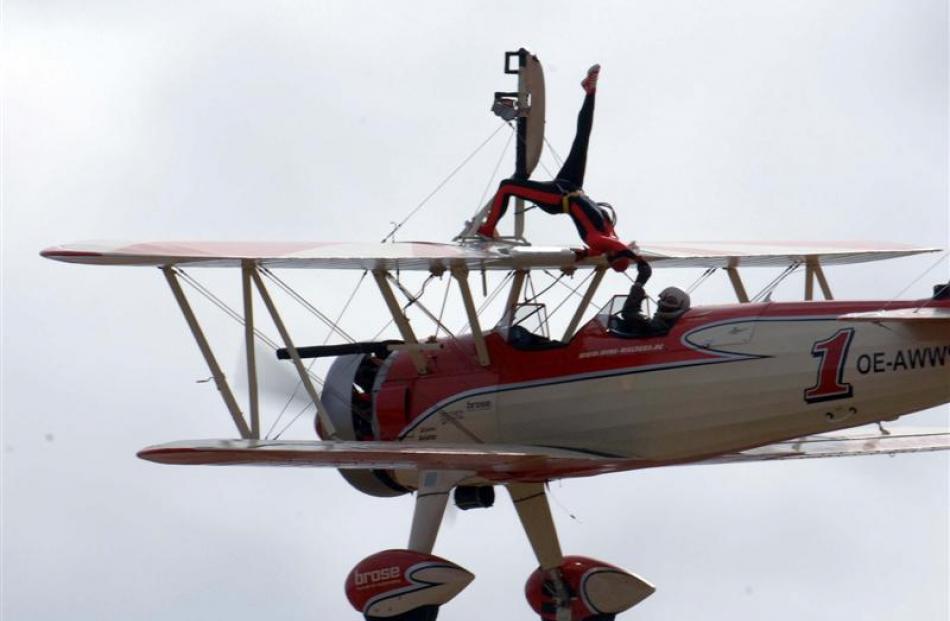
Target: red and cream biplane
509 405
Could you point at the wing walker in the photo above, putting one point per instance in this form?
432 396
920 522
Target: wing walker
505 404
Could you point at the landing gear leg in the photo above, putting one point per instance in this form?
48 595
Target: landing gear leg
431 499
531 503
570 588
411 584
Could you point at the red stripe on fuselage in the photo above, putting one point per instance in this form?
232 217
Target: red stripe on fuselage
455 370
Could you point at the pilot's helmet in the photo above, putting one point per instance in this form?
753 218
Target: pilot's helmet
672 303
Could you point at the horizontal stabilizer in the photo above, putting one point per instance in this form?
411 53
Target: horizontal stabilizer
923 314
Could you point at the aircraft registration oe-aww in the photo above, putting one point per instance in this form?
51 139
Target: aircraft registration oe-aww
510 406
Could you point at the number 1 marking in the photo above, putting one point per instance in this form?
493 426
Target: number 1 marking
833 352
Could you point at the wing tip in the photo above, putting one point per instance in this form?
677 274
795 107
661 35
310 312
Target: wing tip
60 253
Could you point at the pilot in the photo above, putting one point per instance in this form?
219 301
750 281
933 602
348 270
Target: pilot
672 304
594 221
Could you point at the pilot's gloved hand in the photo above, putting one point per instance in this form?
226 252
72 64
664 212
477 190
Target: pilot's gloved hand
580 253
637 294
634 302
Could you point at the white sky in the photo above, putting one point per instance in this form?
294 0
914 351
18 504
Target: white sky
802 120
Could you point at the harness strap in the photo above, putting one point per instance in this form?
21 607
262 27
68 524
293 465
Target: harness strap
566 200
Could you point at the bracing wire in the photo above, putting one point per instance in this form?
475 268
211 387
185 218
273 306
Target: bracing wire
425 200
223 306
764 294
535 296
326 339
703 277
415 300
491 298
557 157
918 279
445 299
529 284
573 292
306 304
501 158
410 298
390 322
563 284
494 293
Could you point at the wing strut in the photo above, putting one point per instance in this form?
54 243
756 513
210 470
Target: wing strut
813 271
531 504
585 302
247 268
219 379
324 417
461 275
402 322
737 284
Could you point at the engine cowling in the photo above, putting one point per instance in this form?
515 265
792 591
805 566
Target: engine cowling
348 399
597 590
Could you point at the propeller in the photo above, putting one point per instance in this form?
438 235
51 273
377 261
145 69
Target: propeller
276 381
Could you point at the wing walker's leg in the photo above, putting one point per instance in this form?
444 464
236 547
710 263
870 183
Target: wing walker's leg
219 380
531 503
431 499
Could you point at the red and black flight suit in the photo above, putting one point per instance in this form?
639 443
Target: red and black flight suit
564 195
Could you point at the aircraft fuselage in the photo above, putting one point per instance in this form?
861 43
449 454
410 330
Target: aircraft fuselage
726 378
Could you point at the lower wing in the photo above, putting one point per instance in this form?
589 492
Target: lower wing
500 462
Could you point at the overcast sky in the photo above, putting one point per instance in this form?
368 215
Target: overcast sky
801 120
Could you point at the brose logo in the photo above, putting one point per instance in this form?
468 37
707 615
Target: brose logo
377 575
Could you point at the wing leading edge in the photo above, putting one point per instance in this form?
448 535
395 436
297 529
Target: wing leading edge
492 461
508 462
424 256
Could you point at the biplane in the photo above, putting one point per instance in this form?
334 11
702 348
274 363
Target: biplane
507 404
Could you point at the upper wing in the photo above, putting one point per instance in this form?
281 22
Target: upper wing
843 444
475 256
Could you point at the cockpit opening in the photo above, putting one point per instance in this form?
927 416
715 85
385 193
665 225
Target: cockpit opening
528 329
623 317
